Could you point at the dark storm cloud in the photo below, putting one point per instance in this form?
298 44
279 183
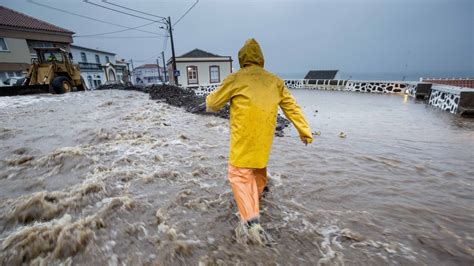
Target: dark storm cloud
355 36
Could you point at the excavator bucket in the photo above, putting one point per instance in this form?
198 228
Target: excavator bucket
24 90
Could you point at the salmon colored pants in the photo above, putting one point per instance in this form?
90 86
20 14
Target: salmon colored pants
247 185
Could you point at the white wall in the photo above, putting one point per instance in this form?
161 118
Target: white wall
76 53
96 77
203 71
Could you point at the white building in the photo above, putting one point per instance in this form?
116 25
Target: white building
122 68
201 68
97 67
148 74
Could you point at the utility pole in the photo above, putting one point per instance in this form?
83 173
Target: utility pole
129 73
175 80
164 64
158 65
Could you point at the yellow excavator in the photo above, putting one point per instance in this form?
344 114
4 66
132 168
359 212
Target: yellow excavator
51 72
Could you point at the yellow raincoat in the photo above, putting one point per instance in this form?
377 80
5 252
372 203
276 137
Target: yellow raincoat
255 95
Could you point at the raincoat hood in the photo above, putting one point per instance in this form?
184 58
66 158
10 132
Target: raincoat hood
251 54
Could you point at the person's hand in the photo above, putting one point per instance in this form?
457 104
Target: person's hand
305 141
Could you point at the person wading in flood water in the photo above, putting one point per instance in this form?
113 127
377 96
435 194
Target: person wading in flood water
254 96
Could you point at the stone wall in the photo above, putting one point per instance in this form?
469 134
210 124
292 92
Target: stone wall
333 85
453 99
377 87
205 89
444 99
351 85
449 98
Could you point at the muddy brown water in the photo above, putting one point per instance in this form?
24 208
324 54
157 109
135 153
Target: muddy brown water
112 178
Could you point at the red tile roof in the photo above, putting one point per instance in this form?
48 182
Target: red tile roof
15 19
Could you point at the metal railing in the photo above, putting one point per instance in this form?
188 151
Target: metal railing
90 66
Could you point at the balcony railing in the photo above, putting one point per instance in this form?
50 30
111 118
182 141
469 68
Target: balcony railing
90 66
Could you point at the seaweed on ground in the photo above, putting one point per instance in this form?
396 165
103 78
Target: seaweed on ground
123 87
193 103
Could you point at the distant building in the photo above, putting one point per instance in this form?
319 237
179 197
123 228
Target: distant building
122 68
321 74
148 74
19 34
198 67
97 66
92 63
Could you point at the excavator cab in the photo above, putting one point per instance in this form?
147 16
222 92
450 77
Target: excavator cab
50 56
56 70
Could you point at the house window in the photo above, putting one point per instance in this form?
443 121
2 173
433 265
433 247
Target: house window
3 45
215 75
107 59
192 75
97 59
83 57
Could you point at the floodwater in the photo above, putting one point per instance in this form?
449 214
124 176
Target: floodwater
112 178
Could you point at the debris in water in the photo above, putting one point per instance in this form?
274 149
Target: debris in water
19 160
346 233
342 135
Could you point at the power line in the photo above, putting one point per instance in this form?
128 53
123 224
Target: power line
122 12
138 11
147 59
90 18
117 31
186 12
166 22
119 37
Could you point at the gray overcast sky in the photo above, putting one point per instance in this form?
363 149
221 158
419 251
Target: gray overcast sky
354 36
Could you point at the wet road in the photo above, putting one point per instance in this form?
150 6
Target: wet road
112 177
